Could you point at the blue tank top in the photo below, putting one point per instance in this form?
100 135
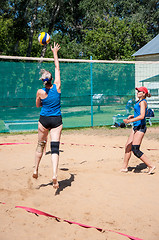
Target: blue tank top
137 113
51 104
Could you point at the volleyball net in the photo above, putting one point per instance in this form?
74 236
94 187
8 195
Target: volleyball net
93 92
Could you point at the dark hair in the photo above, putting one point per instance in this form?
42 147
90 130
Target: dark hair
148 95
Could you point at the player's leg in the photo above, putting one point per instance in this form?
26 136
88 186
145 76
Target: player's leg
42 139
127 154
138 136
55 134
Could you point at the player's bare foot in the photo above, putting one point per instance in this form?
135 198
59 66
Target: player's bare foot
151 169
125 170
35 175
55 183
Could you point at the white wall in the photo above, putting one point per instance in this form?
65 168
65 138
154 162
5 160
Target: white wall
146 70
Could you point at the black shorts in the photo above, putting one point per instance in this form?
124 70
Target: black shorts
140 128
51 121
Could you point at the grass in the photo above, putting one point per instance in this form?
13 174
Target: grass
73 117
108 127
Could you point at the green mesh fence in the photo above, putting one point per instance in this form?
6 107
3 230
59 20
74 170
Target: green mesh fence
92 93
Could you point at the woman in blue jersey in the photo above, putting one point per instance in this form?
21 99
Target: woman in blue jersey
48 98
138 131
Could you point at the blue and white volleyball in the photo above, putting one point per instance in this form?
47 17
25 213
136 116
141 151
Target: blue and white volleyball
44 38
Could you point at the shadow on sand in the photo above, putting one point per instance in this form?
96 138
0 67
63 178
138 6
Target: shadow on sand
49 152
62 184
65 183
138 168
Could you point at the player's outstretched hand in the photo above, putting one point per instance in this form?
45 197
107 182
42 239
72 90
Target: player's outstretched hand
56 48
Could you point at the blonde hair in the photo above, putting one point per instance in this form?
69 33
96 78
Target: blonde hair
45 75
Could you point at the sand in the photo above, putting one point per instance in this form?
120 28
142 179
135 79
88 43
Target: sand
92 189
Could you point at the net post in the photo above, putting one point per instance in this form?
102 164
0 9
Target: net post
91 74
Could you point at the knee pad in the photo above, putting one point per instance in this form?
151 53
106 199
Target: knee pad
55 147
136 151
40 146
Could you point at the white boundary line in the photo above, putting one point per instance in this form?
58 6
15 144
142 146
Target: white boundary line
74 60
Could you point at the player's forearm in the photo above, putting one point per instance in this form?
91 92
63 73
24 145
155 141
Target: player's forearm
56 61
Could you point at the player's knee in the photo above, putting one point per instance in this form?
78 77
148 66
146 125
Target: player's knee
128 148
55 147
136 150
40 146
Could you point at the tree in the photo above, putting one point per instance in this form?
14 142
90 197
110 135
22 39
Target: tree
145 11
73 21
65 18
6 35
32 26
114 39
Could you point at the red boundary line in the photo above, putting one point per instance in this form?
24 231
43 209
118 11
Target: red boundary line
75 144
38 212
14 143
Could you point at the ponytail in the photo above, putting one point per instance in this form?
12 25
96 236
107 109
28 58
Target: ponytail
148 95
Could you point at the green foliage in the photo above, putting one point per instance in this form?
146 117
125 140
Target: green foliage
114 38
69 49
6 36
105 29
142 10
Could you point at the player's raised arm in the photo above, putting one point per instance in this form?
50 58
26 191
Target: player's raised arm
57 81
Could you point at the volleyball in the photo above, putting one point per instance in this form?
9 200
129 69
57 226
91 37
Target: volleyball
44 38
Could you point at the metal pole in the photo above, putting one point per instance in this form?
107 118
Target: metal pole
91 66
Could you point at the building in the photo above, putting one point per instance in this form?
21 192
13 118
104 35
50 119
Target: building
147 70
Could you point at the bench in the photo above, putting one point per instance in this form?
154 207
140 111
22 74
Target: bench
119 118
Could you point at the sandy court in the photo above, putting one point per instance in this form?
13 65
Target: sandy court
92 190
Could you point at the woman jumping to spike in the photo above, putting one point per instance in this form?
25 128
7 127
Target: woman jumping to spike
138 131
50 116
